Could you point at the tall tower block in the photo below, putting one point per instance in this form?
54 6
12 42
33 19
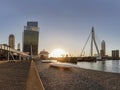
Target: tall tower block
31 38
11 41
103 48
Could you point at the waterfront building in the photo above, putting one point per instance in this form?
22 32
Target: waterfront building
103 49
44 55
31 38
115 54
11 41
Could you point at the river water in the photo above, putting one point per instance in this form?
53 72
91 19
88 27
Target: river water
107 65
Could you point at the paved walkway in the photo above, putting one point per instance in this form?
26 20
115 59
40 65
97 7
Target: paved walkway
34 81
19 75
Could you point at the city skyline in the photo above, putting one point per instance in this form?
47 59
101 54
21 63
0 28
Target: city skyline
63 24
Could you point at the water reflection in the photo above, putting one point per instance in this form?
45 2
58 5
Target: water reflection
107 66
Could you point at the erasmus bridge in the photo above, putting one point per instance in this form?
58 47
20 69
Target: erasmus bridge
93 43
11 54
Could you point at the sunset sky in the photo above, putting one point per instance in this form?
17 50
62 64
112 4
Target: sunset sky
63 24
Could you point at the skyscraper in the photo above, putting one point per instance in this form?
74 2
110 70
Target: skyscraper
11 41
103 48
31 38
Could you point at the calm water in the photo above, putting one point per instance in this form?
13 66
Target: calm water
107 66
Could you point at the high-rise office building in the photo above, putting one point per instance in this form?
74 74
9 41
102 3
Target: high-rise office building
103 48
11 41
31 38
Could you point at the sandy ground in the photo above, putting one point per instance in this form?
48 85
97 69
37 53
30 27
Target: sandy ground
76 78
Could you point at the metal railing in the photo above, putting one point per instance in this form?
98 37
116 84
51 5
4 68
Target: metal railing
7 48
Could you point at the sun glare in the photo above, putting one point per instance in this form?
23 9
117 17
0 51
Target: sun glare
58 53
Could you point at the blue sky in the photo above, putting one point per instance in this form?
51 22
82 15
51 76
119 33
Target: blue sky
63 24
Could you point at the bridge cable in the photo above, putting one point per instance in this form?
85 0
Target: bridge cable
85 43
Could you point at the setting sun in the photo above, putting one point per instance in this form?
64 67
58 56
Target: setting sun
58 53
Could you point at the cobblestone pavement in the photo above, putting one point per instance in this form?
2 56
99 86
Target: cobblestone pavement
19 75
13 75
76 78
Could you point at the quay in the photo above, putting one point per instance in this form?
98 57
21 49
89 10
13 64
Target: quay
35 75
76 78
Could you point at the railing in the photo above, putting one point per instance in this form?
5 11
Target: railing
7 48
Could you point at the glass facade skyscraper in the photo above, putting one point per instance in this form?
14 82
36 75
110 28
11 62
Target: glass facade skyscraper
31 38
